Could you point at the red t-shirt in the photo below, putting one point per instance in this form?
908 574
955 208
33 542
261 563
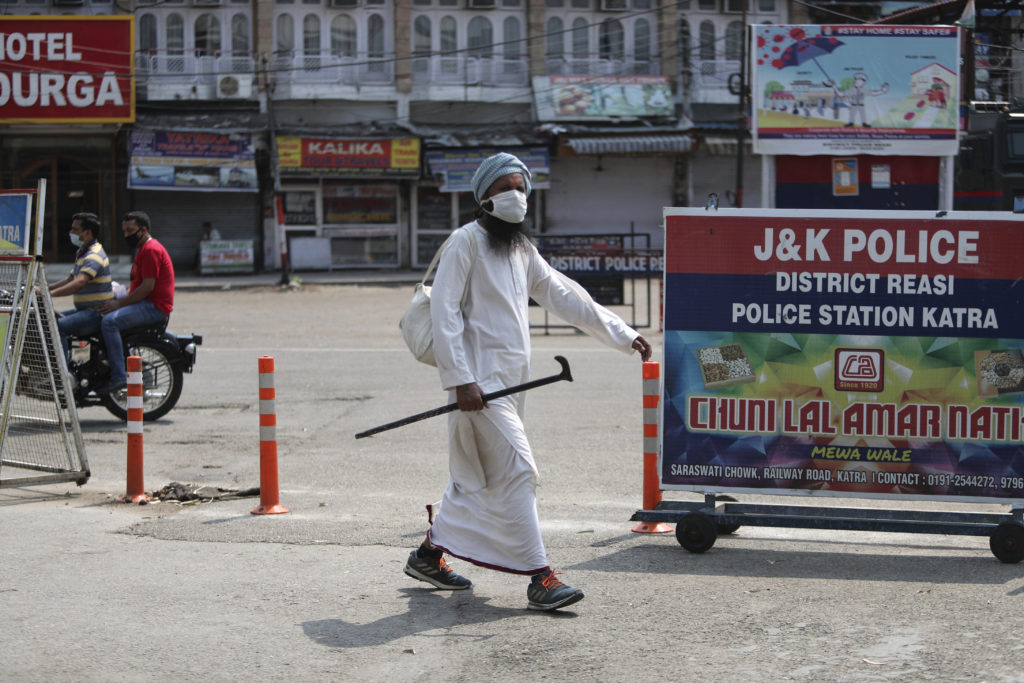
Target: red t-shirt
152 260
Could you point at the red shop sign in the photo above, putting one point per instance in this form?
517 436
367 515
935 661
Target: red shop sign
67 69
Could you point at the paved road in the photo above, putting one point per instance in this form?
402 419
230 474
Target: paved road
92 589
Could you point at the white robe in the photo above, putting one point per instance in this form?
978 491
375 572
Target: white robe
488 515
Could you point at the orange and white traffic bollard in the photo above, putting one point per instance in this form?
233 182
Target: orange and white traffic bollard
269 504
652 482
136 491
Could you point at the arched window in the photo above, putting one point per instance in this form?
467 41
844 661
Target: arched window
707 41
421 37
510 36
580 39
556 37
610 40
375 36
239 33
642 41
449 35
147 34
480 37
421 45
175 34
284 38
733 40
343 36
207 37
311 35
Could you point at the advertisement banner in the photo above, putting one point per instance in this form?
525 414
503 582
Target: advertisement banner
812 352
15 223
170 160
864 89
351 158
578 98
226 256
56 69
453 169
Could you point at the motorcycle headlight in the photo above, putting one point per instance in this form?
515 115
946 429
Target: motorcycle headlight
190 349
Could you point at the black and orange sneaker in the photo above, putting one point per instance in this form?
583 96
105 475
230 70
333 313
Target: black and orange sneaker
546 592
436 572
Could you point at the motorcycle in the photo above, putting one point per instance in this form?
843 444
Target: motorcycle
166 357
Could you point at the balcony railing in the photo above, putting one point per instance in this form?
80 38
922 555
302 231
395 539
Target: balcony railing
173 74
471 70
709 79
327 68
598 66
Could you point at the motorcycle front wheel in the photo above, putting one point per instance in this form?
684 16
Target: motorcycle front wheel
161 383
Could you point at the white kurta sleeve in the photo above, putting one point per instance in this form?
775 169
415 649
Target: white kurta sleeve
450 282
568 300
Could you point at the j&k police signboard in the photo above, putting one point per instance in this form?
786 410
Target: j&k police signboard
814 352
57 69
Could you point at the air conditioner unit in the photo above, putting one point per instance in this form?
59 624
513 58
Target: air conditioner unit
346 4
234 87
614 5
481 4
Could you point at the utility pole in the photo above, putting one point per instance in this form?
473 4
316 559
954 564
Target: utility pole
275 175
741 120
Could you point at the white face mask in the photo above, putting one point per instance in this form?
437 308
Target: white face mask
508 206
75 239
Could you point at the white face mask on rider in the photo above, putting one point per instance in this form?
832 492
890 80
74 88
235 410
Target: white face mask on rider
75 239
508 206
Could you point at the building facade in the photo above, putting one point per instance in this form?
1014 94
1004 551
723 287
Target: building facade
339 132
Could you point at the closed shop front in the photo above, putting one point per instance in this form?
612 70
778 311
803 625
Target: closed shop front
185 178
345 203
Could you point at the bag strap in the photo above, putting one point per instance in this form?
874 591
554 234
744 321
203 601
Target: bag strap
440 250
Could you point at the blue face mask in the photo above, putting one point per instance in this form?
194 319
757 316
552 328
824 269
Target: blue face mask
75 239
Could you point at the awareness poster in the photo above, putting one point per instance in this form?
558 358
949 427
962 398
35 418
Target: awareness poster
810 352
864 89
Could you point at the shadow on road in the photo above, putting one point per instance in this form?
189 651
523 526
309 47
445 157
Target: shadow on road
760 562
429 610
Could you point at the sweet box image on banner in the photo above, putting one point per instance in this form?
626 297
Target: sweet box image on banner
880 355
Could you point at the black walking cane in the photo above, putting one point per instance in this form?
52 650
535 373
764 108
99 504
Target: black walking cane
564 374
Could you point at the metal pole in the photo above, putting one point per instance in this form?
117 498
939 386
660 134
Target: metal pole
268 91
741 121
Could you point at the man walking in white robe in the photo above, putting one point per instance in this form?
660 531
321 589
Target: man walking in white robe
479 305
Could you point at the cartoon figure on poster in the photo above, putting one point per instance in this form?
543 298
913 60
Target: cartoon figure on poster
839 83
854 97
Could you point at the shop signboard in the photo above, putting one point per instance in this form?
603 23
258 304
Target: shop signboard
864 89
198 161
226 256
348 157
876 355
15 222
453 169
587 97
67 69
601 263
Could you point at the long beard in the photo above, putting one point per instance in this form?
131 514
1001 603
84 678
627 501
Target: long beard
502 234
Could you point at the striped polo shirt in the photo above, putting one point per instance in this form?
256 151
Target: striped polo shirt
93 261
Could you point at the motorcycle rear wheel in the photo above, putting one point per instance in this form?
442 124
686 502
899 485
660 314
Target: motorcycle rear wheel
161 383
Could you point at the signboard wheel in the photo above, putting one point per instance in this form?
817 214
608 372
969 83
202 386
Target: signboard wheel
696 532
726 529
1006 542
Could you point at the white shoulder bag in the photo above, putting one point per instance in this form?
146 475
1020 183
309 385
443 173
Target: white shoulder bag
416 326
